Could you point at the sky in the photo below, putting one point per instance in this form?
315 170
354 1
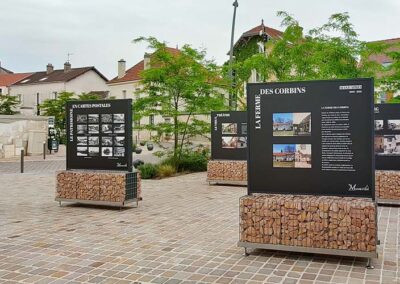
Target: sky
100 32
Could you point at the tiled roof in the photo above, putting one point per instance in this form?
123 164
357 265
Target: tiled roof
4 70
9 79
382 58
133 73
273 33
58 76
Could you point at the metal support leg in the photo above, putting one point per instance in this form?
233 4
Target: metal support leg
246 252
369 264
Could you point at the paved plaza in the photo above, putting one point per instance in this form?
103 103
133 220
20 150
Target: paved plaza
184 231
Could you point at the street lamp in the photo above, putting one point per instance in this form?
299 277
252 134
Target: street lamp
232 103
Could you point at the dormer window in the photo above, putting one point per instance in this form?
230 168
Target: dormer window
25 81
43 79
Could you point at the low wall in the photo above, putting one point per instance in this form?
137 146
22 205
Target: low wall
97 186
387 185
226 170
339 223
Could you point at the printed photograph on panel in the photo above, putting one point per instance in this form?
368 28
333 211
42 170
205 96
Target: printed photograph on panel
394 124
378 124
94 151
93 128
81 140
82 151
282 124
106 151
235 142
388 145
81 129
119 151
119 141
93 118
119 118
302 123
106 118
106 141
94 141
283 155
119 128
303 156
106 128
229 128
81 118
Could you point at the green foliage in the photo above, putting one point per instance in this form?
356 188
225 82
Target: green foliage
190 160
331 51
89 97
178 85
8 104
148 171
165 170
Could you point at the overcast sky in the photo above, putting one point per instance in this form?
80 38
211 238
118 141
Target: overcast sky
99 32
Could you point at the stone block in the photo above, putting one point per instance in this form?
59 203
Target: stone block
387 185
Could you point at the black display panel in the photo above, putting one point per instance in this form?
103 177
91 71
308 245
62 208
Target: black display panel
311 137
387 137
99 135
229 135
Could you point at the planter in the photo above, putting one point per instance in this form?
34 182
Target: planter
138 150
150 147
142 143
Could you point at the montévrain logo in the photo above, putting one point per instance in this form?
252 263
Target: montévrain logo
353 187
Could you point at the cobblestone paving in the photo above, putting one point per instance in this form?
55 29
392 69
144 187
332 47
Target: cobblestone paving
33 167
184 231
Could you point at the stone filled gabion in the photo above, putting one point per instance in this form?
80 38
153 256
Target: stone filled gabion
309 221
95 186
227 170
387 185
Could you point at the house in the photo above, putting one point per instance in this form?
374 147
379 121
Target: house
282 126
303 127
254 40
8 79
283 157
39 86
385 61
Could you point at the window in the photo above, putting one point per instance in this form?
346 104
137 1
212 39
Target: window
151 119
45 78
20 97
1 91
25 81
136 123
167 120
54 95
124 94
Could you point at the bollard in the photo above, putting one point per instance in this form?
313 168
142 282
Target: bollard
22 160
44 150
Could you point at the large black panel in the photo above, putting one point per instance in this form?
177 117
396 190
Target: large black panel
99 135
387 137
311 137
229 135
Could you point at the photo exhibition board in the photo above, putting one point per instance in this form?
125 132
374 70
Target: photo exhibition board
311 137
99 135
229 135
387 137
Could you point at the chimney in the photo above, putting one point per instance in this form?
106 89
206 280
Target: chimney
67 66
146 61
49 68
121 68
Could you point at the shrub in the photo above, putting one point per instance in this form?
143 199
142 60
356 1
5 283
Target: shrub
165 170
147 171
191 160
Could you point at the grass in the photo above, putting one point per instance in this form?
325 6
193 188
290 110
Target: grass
283 164
283 133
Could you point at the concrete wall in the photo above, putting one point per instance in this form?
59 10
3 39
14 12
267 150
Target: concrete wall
89 81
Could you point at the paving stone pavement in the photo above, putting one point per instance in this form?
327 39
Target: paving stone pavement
184 231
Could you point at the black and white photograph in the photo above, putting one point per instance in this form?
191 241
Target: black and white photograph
394 124
119 141
94 141
106 151
106 141
81 118
93 118
93 128
119 118
81 140
119 128
81 129
229 128
106 118
378 124
387 145
119 151
82 151
244 128
106 128
94 151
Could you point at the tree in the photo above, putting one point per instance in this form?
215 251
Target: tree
8 104
180 85
332 51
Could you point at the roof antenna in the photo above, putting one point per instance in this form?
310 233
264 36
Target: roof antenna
68 56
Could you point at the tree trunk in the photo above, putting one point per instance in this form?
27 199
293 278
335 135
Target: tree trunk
176 142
